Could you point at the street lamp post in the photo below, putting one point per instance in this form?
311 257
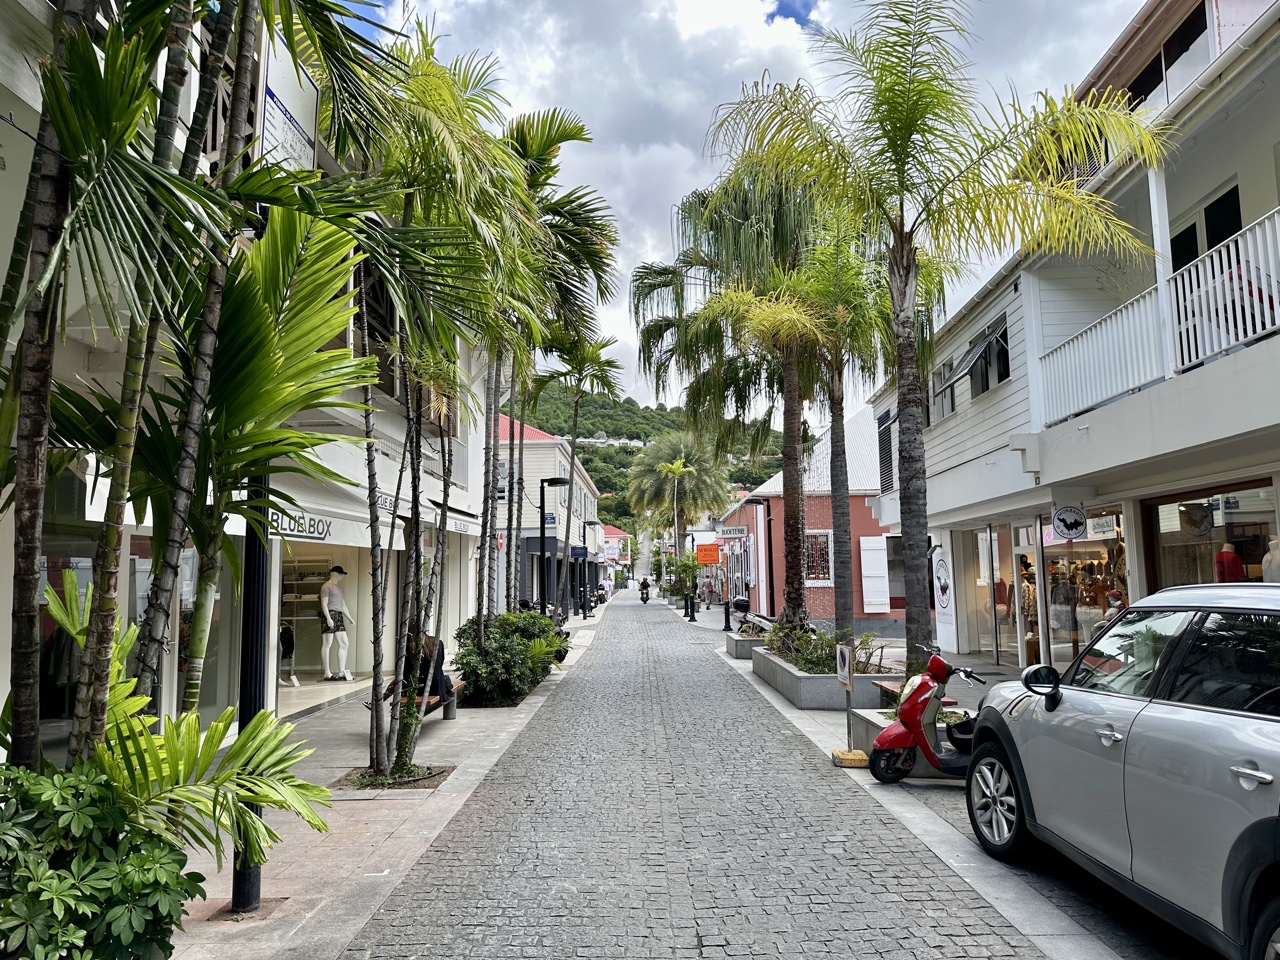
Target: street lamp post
542 535
587 587
768 513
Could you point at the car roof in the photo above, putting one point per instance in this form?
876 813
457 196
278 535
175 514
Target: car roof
1224 596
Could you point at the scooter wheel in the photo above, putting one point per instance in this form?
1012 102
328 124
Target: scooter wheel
890 766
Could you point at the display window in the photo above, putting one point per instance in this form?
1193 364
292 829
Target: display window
1221 535
1085 581
990 592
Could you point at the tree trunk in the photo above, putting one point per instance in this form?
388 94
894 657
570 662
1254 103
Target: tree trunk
842 538
408 719
378 760
512 548
519 495
48 191
481 570
491 545
219 44
562 583
202 622
912 490
161 596
793 606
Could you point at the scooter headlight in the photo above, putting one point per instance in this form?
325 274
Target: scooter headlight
909 688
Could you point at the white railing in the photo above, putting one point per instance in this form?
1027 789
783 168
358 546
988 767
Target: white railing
1113 356
1228 297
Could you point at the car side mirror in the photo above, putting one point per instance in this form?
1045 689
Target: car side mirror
1044 681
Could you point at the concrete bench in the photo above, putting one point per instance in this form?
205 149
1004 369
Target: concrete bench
890 689
434 703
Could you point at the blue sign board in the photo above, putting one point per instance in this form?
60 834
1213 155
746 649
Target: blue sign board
577 553
549 519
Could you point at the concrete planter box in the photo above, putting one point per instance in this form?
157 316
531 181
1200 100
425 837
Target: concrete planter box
867 725
740 647
815 691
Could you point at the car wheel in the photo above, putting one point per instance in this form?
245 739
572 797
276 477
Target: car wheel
890 766
1264 944
995 807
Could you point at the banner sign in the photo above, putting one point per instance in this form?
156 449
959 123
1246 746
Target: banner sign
577 553
844 659
708 553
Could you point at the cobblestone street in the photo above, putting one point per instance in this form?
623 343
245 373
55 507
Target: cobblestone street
657 806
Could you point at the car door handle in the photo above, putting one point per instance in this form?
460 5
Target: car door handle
1248 773
1109 736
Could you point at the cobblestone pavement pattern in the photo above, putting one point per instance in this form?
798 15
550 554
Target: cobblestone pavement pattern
657 806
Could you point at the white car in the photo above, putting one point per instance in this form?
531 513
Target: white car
1152 762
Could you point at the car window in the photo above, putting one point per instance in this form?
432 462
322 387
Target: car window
1124 659
1233 663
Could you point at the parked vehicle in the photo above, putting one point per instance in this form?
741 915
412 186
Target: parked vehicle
1152 762
894 751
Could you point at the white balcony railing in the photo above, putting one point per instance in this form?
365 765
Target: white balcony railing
1113 356
1228 297
1221 302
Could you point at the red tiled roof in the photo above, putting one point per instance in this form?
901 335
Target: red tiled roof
530 433
611 531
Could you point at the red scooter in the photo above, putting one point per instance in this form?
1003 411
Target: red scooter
893 753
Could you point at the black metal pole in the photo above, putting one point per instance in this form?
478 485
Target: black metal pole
246 880
542 547
727 628
768 515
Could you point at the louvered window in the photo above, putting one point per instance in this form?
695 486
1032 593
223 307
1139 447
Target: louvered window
885 429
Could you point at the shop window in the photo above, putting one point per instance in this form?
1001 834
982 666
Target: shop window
991 366
884 432
1225 535
817 558
944 392
897 573
1086 582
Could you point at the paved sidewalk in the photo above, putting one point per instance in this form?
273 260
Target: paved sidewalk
656 807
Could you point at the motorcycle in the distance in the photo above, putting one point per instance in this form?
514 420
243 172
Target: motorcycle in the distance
893 753
644 593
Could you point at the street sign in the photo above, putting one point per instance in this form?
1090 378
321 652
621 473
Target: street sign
577 553
732 533
844 658
708 553
549 519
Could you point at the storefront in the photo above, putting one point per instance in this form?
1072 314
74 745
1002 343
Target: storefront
1225 534
1085 578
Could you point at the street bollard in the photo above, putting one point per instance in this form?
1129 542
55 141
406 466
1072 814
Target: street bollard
727 628
693 609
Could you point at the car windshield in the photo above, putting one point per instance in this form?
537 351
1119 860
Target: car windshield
1124 659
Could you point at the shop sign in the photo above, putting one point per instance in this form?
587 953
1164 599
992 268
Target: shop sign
611 551
301 526
844 663
549 519
708 553
1101 528
1069 522
463 526
731 533
577 553
943 588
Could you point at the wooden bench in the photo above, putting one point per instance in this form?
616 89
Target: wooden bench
890 689
434 703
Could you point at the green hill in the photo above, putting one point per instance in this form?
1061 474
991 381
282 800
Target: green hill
616 419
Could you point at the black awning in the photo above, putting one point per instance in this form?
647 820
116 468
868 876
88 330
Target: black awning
961 369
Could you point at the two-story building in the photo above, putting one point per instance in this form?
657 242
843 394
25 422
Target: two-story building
1098 429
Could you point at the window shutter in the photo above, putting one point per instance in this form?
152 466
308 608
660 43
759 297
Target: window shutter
875 575
885 430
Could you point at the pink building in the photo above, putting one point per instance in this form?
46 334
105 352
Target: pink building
878 582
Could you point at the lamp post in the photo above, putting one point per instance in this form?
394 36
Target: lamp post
542 535
768 513
587 587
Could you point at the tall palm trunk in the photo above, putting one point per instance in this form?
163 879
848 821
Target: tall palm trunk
841 540
512 551
904 273
482 567
202 621
491 505
378 760
47 191
519 497
408 716
160 598
561 595
95 665
793 606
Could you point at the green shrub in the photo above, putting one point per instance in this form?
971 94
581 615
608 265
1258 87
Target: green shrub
810 652
519 651
80 874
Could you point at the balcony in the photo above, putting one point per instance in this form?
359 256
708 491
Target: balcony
1216 305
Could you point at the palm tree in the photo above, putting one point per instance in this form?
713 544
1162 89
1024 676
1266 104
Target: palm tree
677 475
676 470
904 142
584 368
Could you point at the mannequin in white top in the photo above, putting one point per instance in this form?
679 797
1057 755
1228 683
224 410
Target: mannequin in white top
333 624
1271 563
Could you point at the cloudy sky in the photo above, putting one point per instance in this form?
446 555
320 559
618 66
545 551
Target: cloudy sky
647 75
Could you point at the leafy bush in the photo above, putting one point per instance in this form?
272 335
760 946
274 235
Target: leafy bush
815 652
81 875
519 651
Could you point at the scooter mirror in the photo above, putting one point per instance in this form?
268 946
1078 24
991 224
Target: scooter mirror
1043 680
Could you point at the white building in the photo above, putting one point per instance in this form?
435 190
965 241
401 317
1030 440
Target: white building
1145 395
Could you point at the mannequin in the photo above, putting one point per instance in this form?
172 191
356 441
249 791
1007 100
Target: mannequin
1271 563
1227 567
286 653
333 626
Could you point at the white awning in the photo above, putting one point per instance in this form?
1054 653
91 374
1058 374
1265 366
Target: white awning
327 513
